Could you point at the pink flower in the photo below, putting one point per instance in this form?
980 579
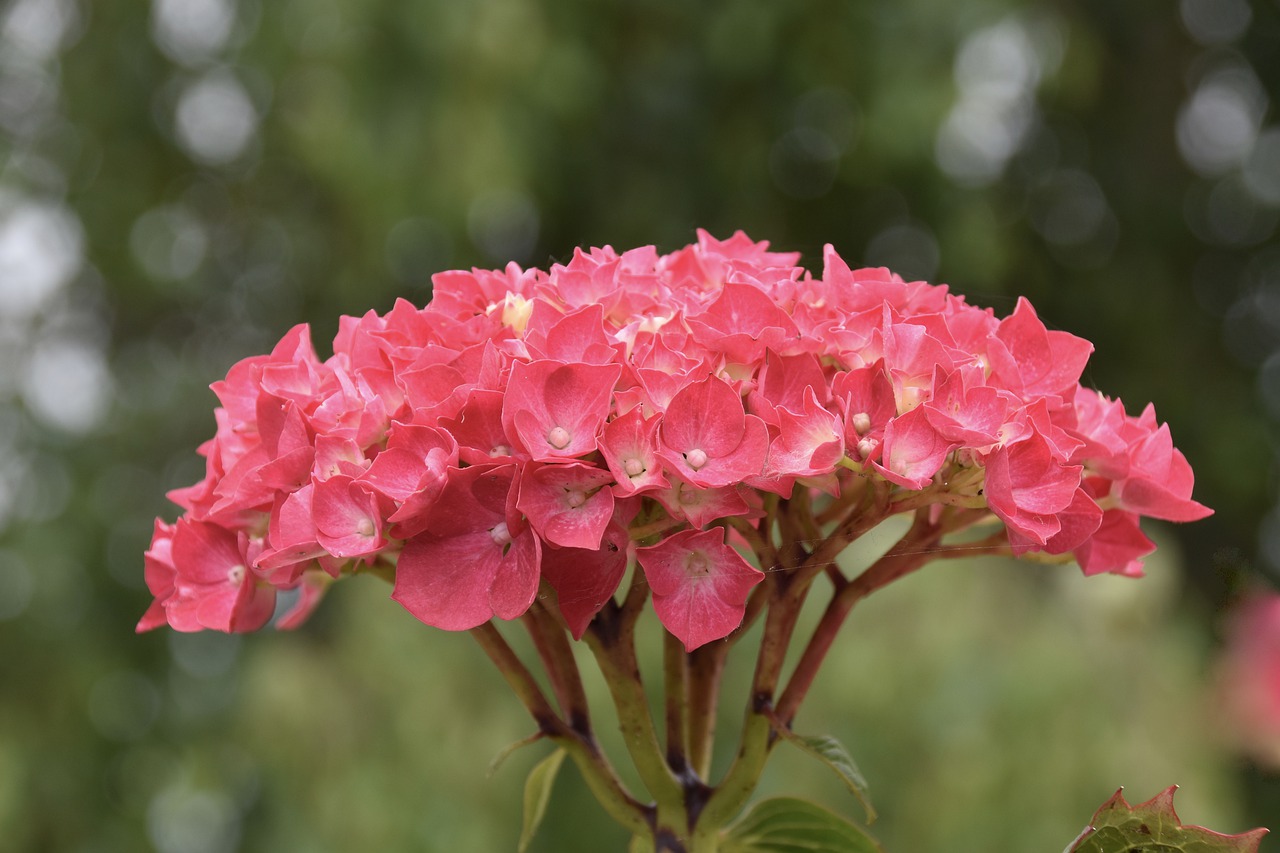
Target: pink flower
699 584
700 507
741 323
1032 361
567 505
556 411
213 583
866 400
630 449
913 450
808 443
348 517
964 410
1027 487
1159 480
160 574
476 559
708 439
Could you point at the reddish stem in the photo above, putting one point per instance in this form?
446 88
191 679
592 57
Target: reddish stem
910 553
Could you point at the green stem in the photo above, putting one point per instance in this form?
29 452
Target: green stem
740 781
605 786
581 747
611 638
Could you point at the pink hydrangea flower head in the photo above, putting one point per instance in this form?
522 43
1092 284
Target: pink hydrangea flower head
531 425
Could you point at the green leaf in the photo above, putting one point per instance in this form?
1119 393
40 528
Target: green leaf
832 753
1153 826
537 793
789 825
505 753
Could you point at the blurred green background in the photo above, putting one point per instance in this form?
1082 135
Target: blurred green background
181 181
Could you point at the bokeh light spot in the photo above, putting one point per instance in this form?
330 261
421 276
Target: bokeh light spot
804 162
215 119
181 819
1217 126
1262 169
1215 22
910 250
67 385
41 246
191 31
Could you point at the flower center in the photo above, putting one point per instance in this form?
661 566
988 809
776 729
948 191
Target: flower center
862 423
576 498
500 450
699 564
365 527
500 534
558 438
634 467
235 575
696 458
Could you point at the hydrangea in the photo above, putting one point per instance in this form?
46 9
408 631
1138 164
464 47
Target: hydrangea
557 426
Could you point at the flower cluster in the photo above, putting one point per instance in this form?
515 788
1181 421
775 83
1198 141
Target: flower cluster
533 426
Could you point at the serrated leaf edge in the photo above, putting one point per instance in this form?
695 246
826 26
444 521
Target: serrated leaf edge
1163 801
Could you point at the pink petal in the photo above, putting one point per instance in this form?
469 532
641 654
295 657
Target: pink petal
1027 487
705 415
348 520
700 585
701 506
556 411
1033 361
807 445
568 505
913 451
630 449
445 581
585 580
1117 547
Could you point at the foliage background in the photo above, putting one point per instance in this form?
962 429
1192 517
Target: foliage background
181 181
